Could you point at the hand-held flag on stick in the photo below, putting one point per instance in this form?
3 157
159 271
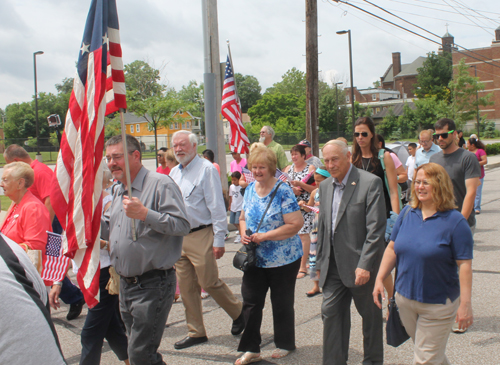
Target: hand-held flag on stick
98 89
248 175
283 176
231 110
56 265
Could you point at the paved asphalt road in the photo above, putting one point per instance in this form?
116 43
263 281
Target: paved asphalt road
480 345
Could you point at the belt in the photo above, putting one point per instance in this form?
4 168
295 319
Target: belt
146 275
200 227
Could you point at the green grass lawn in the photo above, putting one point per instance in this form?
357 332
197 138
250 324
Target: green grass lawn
5 202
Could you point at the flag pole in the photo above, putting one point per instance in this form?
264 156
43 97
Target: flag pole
234 73
127 167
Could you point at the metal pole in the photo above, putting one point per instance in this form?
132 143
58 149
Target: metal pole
127 168
337 108
477 103
36 102
352 80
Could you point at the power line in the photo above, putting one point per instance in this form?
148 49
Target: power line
421 36
474 11
466 17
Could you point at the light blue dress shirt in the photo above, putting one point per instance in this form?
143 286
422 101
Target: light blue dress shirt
338 192
201 189
422 156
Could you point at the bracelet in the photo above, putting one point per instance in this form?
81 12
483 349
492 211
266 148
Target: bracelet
57 283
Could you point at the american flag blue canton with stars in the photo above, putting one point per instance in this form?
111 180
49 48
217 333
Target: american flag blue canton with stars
95 35
54 244
229 69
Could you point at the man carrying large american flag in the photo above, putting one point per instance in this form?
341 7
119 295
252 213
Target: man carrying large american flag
98 89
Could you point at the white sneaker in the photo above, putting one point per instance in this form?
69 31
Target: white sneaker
237 239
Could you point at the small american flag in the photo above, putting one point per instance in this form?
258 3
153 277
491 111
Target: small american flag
56 263
98 89
282 176
231 110
314 209
248 175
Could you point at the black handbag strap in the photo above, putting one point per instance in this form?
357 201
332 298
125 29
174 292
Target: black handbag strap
268 205
396 273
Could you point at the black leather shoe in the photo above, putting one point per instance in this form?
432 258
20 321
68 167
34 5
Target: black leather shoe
189 341
75 310
238 325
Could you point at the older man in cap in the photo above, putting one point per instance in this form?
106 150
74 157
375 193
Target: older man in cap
310 158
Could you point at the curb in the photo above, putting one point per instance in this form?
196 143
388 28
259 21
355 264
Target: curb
492 166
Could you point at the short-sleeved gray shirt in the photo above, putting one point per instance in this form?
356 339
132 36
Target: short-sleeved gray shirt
460 165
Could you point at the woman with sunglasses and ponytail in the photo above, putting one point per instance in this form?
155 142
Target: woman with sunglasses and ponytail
365 155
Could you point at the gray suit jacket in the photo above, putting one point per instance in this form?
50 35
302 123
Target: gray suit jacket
359 230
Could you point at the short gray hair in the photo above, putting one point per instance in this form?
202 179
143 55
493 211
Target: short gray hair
21 170
132 143
192 137
270 131
335 142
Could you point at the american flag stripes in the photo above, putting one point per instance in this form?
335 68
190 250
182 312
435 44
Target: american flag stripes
76 195
56 264
248 175
282 176
231 110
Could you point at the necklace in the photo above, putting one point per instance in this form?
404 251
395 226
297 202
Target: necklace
363 163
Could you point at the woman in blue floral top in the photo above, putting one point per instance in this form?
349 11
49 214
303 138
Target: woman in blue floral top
279 252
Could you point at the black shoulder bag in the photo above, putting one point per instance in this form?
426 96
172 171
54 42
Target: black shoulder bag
245 257
395 331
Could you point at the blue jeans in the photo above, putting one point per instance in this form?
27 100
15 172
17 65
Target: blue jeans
103 321
479 192
144 307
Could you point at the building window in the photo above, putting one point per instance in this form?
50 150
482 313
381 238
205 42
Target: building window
374 96
347 98
188 125
354 97
176 125
131 128
183 125
150 128
137 128
378 110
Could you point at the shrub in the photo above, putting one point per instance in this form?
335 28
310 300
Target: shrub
493 149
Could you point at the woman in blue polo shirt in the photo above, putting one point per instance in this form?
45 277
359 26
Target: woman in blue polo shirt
431 245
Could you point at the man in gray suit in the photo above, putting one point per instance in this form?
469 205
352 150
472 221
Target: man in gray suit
350 247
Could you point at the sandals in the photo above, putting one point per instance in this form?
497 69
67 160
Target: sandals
311 294
301 274
279 353
248 358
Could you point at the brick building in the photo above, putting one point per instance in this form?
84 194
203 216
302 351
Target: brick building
488 72
401 77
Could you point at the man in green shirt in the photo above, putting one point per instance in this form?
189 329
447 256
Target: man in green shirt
266 137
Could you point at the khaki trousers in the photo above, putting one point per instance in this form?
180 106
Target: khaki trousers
196 269
429 326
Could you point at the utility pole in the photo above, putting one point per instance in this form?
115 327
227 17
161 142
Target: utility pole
312 75
214 128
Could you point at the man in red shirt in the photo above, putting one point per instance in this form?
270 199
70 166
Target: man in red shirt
163 168
41 187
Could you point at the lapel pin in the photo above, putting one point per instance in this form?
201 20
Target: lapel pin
353 183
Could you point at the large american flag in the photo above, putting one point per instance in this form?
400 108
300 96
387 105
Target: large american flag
231 110
56 264
98 89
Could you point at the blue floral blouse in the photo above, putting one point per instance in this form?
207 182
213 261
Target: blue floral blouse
272 253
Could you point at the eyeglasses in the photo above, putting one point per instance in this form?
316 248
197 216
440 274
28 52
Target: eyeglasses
424 182
443 135
364 134
117 157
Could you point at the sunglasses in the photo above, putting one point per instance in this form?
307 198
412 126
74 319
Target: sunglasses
442 135
364 134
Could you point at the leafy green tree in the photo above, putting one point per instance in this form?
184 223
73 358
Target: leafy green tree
249 91
327 111
193 95
428 111
143 81
407 123
66 86
434 77
389 124
464 88
292 82
284 112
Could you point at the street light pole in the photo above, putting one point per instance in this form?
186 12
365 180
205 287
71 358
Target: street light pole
36 102
350 66
477 102
337 106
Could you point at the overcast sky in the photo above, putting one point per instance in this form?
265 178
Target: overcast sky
267 37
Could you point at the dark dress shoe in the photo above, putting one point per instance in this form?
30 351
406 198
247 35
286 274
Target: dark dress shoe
189 341
238 325
75 310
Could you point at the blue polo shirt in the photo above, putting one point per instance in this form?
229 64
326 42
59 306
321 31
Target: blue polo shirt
422 156
427 251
